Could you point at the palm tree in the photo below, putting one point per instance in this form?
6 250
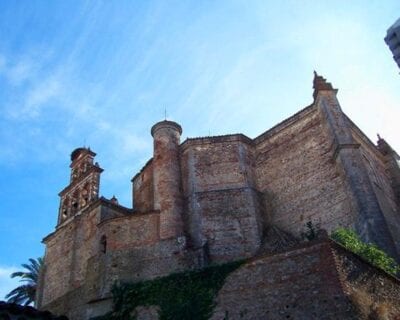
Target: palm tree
25 294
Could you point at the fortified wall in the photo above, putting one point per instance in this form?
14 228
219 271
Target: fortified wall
315 280
219 199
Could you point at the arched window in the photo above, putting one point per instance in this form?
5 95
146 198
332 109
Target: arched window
75 202
64 211
64 208
85 195
103 244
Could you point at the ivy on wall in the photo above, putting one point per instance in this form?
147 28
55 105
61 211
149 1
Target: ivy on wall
186 295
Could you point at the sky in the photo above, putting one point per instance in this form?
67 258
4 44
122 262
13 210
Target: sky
101 73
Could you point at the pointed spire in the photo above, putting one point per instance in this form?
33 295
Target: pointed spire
320 84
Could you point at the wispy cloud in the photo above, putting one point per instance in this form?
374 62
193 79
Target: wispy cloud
39 95
21 69
30 85
20 72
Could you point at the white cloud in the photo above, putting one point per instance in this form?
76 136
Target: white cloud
39 95
30 85
7 283
32 102
20 72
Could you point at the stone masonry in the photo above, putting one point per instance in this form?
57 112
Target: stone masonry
216 199
318 280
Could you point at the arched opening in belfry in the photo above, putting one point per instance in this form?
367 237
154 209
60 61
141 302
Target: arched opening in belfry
85 195
75 202
64 208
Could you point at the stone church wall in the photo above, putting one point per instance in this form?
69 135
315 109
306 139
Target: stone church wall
376 166
299 284
319 280
374 293
212 200
298 177
57 277
78 242
83 263
286 177
143 191
223 211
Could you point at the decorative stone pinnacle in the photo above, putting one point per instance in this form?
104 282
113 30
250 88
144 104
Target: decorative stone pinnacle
114 200
320 84
383 146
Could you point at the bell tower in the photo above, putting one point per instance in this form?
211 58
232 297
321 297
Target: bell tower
83 188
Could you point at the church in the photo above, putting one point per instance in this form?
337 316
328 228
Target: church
217 199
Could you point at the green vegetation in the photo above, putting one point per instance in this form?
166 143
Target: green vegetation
187 295
370 252
25 294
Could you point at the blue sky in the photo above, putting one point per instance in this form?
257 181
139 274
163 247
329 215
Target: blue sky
101 73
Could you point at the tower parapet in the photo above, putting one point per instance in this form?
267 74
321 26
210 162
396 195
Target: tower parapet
167 178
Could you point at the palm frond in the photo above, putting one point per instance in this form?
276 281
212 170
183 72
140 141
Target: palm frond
29 267
18 274
35 264
25 294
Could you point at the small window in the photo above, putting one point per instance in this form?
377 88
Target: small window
103 244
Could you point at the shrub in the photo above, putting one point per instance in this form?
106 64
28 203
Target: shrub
369 251
312 231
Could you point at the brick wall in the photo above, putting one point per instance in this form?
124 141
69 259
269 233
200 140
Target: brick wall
377 168
223 212
143 191
299 284
374 293
58 264
318 280
298 177
79 262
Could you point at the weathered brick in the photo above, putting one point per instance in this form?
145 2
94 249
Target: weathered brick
214 199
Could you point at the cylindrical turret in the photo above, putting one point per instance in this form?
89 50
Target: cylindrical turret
167 178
